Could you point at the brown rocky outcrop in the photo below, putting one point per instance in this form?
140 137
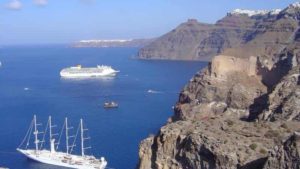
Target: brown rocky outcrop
287 156
284 100
241 112
210 129
234 35
199 41
228 86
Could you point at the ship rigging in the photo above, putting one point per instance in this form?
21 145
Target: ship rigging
55 157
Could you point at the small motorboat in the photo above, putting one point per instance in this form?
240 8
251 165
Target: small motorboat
111 104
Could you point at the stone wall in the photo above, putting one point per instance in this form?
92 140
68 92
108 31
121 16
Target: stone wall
222 65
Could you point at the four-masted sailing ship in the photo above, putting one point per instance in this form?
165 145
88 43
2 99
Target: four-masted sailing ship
52 156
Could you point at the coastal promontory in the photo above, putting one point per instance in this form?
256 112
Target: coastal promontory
194 40
137 43
241 111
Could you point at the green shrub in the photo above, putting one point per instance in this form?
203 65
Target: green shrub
284 126
255 125
272 134
263 151
230 123
253 146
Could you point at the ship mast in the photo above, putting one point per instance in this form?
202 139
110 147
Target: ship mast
51 139
83 138
82 141
67 135
50 130
36 141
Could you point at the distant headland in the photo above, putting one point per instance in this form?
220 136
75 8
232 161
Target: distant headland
112 43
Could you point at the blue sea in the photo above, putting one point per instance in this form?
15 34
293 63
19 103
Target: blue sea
30 84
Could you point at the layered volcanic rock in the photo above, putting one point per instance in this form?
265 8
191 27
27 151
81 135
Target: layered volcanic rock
178 42
287 155
198 41
242 111
240 33
284 100
229 85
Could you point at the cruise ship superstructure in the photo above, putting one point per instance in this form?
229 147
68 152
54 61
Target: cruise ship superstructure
54 157
81 72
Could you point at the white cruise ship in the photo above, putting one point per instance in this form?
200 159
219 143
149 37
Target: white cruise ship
52 156
80 72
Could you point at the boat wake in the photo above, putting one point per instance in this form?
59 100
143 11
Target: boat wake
154 91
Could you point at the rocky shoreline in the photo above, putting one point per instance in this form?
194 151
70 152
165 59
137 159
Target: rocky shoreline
242 111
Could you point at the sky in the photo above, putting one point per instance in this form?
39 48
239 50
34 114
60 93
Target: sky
67 21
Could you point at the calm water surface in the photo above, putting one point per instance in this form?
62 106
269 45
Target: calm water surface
30 84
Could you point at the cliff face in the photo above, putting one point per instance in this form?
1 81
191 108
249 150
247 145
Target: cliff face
284 100
198 41
287 155
177 43
235 34
241 112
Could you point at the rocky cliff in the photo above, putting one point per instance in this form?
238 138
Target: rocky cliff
242 111
198 41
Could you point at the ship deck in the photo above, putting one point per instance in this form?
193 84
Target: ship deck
64 159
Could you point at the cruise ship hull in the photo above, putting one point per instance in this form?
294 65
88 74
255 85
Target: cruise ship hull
63 159
87 75
78 72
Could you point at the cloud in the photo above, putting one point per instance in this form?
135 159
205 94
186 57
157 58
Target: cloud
14 5
40 2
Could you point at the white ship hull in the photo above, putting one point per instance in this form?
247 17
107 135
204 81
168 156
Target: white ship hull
85 75
64 160
79 72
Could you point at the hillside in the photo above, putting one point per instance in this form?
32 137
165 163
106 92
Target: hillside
242 111
199 41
